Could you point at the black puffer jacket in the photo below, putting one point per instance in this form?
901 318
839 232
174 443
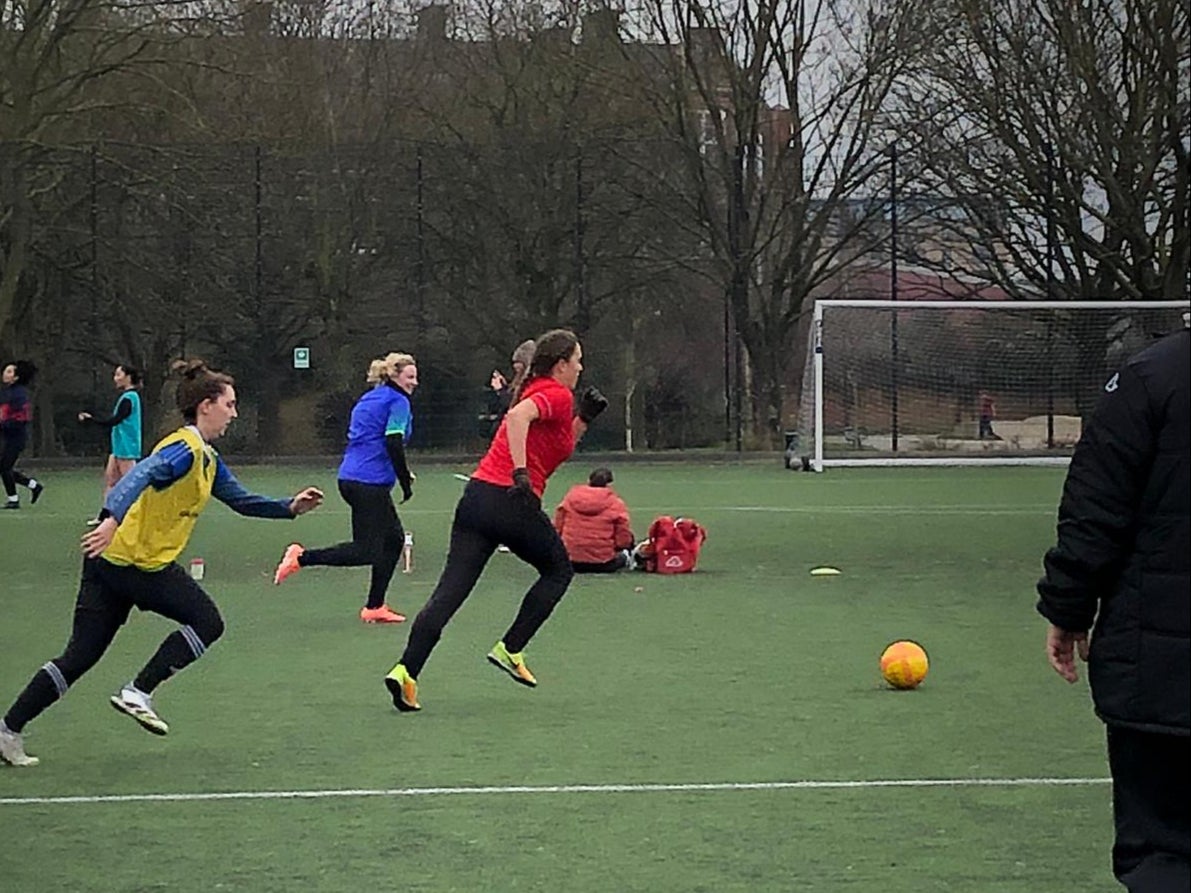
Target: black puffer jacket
1124 543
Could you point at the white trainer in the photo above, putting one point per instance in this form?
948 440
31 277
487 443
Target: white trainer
133 702
12 749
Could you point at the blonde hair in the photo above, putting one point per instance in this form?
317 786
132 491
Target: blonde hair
377 371
395 362
388 367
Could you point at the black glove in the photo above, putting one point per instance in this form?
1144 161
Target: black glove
591 404
407 488
522 489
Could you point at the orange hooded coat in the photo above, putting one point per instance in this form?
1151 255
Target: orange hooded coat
593 523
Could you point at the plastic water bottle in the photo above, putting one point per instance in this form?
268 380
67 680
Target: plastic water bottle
407 553
198 567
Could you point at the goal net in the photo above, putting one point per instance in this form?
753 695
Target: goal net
963 382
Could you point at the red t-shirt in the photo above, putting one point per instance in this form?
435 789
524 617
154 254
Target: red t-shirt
549 443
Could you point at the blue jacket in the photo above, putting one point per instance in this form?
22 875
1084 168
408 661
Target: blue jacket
382 411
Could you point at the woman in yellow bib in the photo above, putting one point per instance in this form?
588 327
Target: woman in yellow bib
145 524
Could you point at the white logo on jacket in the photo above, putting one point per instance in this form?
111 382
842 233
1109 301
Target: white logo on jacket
1113 383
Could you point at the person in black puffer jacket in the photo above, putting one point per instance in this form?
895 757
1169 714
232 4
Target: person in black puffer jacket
1120 569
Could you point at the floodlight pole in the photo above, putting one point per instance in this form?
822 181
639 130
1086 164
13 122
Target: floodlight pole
259 256
727 368
893 335
1049 151
94 222
581 310
419 223
737 297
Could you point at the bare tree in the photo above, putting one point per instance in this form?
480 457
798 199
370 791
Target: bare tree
295 189
506 126
54 57
542 207
776 107
1061 132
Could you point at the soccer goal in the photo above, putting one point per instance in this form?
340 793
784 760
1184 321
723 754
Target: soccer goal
963 382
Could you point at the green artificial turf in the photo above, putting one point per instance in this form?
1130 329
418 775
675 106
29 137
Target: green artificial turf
747 672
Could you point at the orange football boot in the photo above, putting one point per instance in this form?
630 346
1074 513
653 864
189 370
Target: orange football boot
289 563
383 614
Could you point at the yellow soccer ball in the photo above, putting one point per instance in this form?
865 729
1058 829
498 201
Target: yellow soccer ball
904 664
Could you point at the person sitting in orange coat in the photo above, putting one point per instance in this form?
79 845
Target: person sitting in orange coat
594 525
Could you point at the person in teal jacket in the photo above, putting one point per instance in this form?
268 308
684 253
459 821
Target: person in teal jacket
123 425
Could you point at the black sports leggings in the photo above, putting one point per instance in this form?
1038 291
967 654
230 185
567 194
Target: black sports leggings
12 442
619 562
377 538
488 515
107 594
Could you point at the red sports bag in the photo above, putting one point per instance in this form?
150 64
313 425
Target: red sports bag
673 545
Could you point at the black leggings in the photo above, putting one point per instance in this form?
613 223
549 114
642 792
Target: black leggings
377 538
13 442
617 563
107 594
487 516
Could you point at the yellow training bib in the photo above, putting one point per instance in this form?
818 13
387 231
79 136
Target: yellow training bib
158 526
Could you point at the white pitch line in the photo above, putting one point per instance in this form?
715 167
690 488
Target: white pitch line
705 787
888 509
804 509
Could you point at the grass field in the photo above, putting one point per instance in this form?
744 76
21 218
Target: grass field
722 731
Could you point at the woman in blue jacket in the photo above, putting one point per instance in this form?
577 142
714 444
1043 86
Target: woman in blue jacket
374 460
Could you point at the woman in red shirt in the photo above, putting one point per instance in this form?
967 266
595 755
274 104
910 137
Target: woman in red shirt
593 522
502 504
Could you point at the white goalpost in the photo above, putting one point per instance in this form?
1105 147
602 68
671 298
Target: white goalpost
963 382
